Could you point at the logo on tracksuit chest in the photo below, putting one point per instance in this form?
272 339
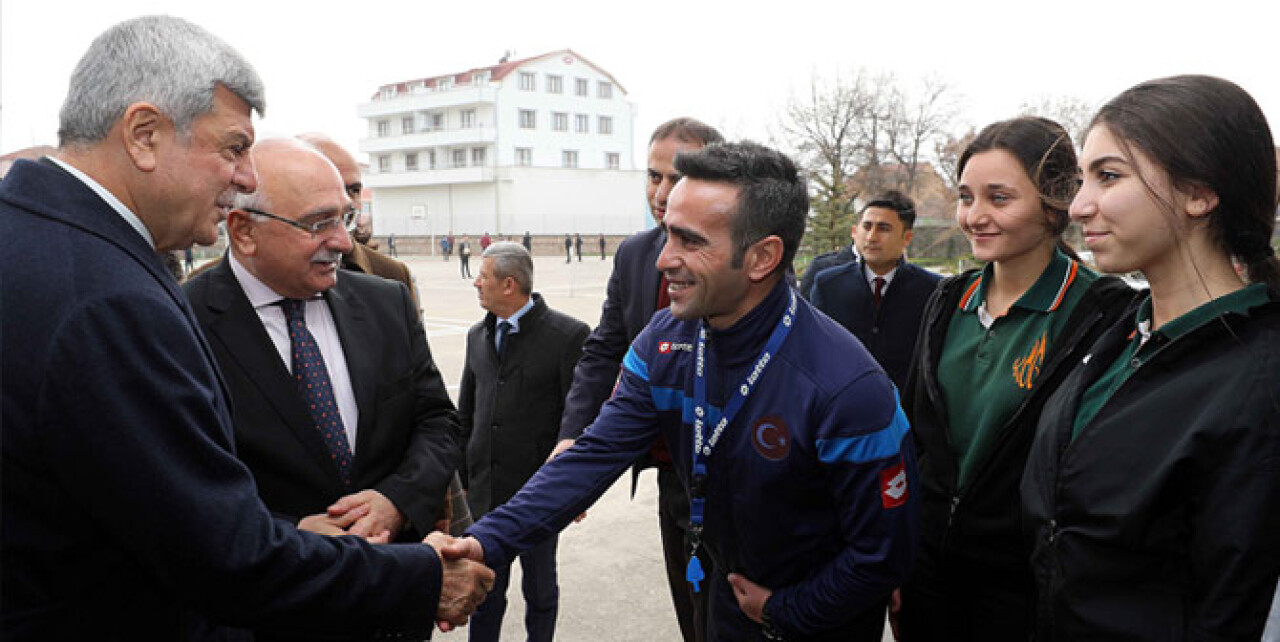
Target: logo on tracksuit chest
771 437
667 347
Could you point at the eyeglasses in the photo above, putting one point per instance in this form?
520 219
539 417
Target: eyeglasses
344 222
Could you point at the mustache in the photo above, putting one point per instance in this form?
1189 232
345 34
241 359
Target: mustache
325 255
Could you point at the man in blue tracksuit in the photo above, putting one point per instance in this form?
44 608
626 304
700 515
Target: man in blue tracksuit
786 433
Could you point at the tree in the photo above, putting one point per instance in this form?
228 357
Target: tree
823 129
1072 112
916 124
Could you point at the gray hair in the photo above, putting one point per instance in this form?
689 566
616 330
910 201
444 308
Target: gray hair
510 259
166 61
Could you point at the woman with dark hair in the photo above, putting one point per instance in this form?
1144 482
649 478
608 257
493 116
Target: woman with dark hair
1152 490
993 344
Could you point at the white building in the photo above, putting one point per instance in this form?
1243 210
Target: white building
542 144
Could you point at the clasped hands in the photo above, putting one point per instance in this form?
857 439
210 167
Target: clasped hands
466 579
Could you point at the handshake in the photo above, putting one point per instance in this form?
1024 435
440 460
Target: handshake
466 580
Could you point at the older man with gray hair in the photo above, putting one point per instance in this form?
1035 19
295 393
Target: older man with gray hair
519 366
126 512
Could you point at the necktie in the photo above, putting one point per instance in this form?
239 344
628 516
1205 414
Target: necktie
879 289
504 327
314 387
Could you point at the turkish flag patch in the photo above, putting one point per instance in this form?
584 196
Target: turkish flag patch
893 485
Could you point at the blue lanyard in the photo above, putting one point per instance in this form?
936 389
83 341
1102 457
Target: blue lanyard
703 447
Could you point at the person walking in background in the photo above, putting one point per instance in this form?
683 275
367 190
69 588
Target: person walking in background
577 244
391 243
509 430
568 248
464 256
1151 491
485 242
994 344
602 246
527 242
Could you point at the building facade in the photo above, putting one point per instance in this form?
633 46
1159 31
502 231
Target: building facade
542 144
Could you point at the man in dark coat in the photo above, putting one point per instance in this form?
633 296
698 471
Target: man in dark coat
519 366
126 512
880 298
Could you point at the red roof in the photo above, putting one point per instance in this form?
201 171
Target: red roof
496 72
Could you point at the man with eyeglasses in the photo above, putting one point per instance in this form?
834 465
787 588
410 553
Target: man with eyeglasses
340 412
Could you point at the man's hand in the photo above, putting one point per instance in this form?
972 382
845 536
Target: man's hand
561 446
381 517
467 581
323 524
895 609
751 596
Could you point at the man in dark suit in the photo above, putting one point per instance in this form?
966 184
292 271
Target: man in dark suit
881 297
634 292
846 254
126 513
519 365
400 428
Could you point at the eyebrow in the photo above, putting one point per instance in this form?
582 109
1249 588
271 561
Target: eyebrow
1103 160
321 213
685 233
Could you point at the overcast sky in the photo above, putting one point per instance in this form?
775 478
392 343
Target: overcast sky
725 62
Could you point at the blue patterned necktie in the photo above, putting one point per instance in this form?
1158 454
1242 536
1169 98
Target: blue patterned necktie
314 387
504 327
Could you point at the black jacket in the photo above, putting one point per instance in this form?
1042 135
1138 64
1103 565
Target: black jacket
982 524
889 332
822 262
510 408
1161 520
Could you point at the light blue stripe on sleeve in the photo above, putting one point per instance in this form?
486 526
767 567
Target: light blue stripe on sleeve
636 365
881 444
667 399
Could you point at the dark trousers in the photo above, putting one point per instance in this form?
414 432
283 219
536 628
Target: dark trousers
541 597
673 521
464 264
958 600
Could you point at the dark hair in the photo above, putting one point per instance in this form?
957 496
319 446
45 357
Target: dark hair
773 198
1044 149
687 130
1206 131
898 202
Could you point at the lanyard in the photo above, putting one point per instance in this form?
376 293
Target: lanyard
702 448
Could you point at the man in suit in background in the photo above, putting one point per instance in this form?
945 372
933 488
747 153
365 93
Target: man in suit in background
880 298
846 254
634 292
381 466
519 366
126 512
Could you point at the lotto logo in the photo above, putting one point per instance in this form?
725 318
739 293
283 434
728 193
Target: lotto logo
664 347
893 485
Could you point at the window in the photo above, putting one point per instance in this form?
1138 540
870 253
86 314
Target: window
555 85
431 159
580 86
411 162
569 158
480 77
459 158
436 122
384 128
604 90
528 119
406 124
388 92
606 125
612 160
524 156
384 163
477 156
526 81
559 121
445 83
581 123
468 118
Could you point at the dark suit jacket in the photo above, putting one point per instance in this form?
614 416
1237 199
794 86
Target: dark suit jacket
511 408
126 514
363 259
630 298
889 333
407 438
822 262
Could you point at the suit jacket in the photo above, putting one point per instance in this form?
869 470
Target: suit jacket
126 513
822 262
630 299
511 407
363 259
407 437
889 333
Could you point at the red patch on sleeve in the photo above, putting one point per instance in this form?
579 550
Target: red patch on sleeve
893 485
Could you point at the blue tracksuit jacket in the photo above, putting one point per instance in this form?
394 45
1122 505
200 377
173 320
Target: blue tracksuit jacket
810 490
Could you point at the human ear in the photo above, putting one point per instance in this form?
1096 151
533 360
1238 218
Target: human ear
1201 201
763 258
241 232
140 129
